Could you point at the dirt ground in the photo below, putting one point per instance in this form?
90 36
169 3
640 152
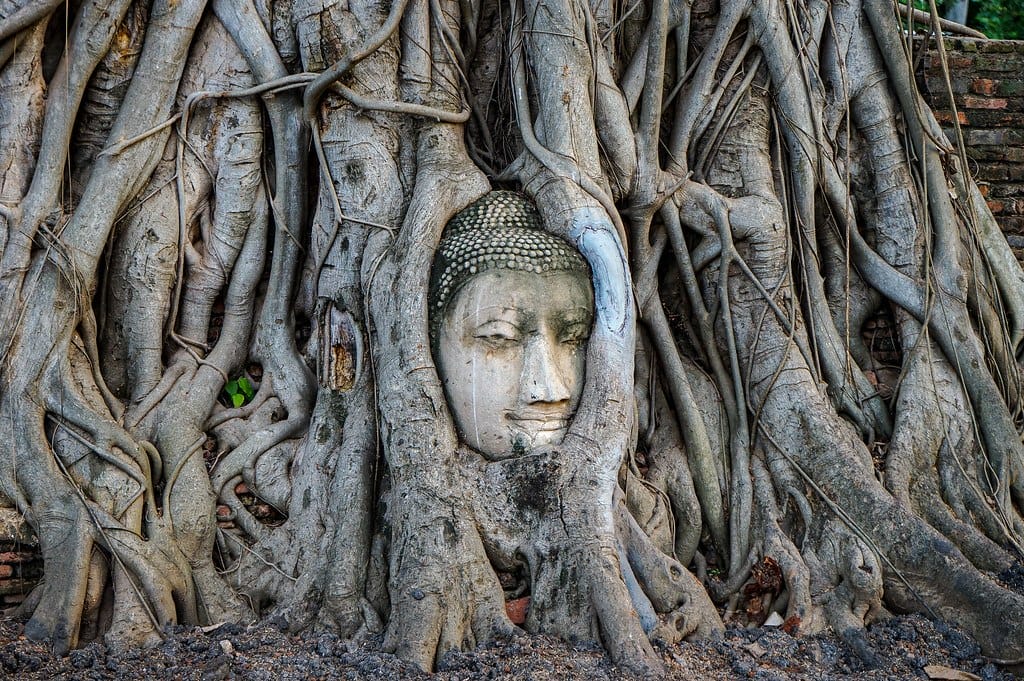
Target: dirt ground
906 647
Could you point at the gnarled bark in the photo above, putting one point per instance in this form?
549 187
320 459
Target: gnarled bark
195 195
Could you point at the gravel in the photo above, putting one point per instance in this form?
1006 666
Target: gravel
904 646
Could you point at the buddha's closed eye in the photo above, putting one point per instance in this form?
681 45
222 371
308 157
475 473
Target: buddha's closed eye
575 334
498 333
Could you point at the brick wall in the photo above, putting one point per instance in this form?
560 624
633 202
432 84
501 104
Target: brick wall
987 79
20 563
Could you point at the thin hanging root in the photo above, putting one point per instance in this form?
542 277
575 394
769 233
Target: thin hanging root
244 548
70 407
726 116
293 81
88 507
315 90
90 341
707 115
741 486
176 473
104 455
698 446
406 108
153 399
115 149
705 324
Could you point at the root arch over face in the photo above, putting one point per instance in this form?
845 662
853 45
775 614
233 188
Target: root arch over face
218 398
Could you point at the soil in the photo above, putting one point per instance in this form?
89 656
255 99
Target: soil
904 647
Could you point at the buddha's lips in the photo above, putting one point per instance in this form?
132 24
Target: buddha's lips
540 423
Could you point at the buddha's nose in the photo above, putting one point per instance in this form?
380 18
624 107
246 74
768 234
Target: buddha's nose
543 380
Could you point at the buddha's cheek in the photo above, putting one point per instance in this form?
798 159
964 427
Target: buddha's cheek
482 385
496 388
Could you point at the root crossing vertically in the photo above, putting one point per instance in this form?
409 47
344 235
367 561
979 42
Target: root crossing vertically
218 398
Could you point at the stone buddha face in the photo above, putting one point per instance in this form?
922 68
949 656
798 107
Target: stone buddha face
512 310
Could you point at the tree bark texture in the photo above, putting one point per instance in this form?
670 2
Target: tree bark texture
217 395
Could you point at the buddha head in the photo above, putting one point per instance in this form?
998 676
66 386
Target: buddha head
510 314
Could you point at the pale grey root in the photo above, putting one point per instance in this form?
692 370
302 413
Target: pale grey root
192 192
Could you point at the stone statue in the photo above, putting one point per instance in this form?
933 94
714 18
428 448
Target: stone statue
511 312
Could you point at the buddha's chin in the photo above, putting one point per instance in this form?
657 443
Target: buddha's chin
527 440
553 436
523 439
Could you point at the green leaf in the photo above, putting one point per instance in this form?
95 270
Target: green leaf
231 388
237 399
246 387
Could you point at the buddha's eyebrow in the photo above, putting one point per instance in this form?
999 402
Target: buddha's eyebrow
482 315
576 314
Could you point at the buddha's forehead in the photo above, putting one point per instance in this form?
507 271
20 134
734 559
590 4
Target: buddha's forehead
524 296
501 230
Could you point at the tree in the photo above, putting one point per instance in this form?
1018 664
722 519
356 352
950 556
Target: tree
198 193
999 19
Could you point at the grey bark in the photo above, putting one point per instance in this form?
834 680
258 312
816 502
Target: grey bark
256 190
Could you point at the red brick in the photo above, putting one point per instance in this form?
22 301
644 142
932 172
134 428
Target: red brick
972 102
15 556
6 571
955 61
990 118
995 206
984 86
945 117
517 608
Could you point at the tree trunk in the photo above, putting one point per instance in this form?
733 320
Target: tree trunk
219 399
